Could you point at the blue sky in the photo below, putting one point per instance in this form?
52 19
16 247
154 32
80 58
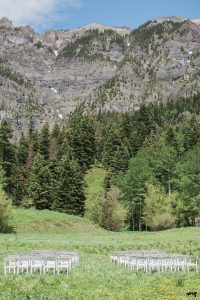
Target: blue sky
62 14
131 13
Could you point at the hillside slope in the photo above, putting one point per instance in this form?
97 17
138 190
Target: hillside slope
44 221
44 77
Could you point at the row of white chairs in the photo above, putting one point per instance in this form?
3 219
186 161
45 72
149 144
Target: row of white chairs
150 261
42 262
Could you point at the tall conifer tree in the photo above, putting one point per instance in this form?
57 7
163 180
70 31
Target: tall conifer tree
8 156
40 184
70 194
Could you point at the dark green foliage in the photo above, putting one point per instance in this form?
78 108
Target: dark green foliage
5 207
81 137
54 142
55 131
137 128
81 47
153 128
38 45
44 141
119 40
144 34
46 171
7 155
191 134
22 150
70 196
22 154
188 184
40 183
132 185
115 151
156 147
5 72
164 163
85 46
171 139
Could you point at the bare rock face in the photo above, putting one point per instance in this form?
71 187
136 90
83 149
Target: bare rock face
5 22
196 21
28 32
102 28
50 38
44 77
176 19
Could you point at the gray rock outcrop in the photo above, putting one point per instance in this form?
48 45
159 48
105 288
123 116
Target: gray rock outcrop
44 77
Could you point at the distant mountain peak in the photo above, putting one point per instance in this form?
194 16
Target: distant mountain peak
5 22
171 18
196 21
102 27
43 77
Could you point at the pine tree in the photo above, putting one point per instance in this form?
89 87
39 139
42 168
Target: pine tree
44 141
55 131
115 152
23 171
53 144
144 121
40 183
191 134
31 128
7 156
22 151
81 138
171 140
70 197
5 205
62 144
30 157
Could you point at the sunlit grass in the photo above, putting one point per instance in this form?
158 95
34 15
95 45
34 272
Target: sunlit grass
45 221
96 278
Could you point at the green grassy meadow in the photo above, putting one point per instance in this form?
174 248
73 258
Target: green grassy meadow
96 278
45 221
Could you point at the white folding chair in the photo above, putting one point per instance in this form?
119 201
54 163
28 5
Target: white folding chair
49 263
10 264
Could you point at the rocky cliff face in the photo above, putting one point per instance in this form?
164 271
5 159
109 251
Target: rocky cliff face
44 77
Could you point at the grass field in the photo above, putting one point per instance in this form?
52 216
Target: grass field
45 221
95 278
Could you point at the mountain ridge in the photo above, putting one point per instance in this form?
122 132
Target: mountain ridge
44 77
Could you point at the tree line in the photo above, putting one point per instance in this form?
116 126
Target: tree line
46 169
151 157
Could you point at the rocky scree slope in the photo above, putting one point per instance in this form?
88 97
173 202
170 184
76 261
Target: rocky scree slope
44 77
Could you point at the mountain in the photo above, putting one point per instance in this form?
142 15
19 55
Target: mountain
44 77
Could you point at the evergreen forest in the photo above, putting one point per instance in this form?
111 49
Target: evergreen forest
151 157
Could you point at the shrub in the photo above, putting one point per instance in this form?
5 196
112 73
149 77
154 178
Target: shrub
12 75
5 209
157 212
110 212
162 222
38 45
27 202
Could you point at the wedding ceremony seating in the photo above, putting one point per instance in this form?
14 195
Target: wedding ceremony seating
42 262
154 260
